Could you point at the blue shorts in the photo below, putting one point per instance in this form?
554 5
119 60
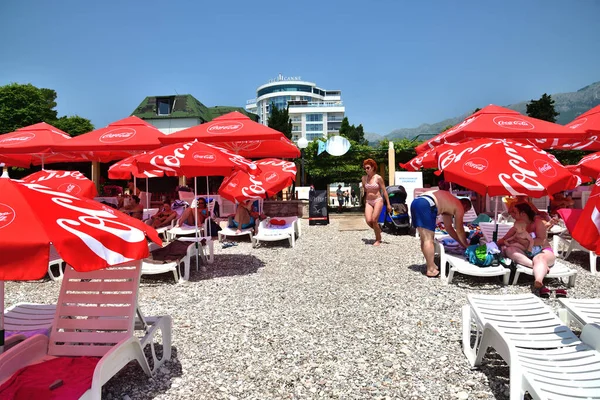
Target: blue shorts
534 251
248 225
423 214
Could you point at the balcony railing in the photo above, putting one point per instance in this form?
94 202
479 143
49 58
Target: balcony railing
319 104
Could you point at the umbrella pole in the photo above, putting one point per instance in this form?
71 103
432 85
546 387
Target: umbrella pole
2 317
207 194
196 221
495 235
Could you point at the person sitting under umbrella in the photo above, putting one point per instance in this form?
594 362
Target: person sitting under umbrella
244 216
133 208
194 215
541 258
163 217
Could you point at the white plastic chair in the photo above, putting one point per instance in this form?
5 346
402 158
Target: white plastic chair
95 317
268 232
579 311
545 357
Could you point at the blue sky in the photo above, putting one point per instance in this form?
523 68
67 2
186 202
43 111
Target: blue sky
397 63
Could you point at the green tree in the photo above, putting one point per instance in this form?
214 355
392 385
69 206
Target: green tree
74 125
280 121
353 133
23 105
542 108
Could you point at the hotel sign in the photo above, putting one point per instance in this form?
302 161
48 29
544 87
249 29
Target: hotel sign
281 78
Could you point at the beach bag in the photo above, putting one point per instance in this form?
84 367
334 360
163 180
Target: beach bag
478 255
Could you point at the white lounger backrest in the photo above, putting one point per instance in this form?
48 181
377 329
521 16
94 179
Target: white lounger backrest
487 228
95 310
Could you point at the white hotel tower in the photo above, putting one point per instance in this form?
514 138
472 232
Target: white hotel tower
315 112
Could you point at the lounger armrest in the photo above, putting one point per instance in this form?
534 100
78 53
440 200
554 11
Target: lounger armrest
590 335
25 353
116 359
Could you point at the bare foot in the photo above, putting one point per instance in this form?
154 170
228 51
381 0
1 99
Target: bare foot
537 284
238 231
433 274
377 243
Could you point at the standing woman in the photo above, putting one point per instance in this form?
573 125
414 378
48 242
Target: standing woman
374 186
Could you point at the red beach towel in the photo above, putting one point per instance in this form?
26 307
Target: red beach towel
33 381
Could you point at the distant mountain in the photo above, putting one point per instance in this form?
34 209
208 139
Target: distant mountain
569 105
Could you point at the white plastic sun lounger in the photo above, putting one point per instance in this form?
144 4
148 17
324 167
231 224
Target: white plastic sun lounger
545 357
558 270
579 311
23 319
96 317
458 264
271 233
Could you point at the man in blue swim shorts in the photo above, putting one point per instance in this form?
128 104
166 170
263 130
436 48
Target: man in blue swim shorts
424 211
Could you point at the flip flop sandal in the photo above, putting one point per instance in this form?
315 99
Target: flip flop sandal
542 292
560 293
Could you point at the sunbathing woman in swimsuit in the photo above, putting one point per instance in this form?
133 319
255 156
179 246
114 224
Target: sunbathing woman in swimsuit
190 215
374 186
243 216
541 258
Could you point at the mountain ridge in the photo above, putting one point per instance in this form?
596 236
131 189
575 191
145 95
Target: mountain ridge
569 105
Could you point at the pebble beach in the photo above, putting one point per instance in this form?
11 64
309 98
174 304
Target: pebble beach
332 318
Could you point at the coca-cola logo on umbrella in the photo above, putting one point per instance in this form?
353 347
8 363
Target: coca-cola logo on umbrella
70 188
514 123
7 215
225 127
475 166
545 168
271 176
17 139
577 124
204 157
233 183
117 135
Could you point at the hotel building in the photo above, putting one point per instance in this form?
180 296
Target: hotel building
314 112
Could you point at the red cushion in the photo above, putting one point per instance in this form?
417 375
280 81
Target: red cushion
278 222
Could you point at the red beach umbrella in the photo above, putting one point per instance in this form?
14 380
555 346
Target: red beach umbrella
127 168
427 159
590 165
589 122
193 159
128 134
240 134
576 171
71 182
502 123
275 175
283 147
38 138
87 235
500 167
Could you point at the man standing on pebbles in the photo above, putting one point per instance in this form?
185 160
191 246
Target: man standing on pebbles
424 211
